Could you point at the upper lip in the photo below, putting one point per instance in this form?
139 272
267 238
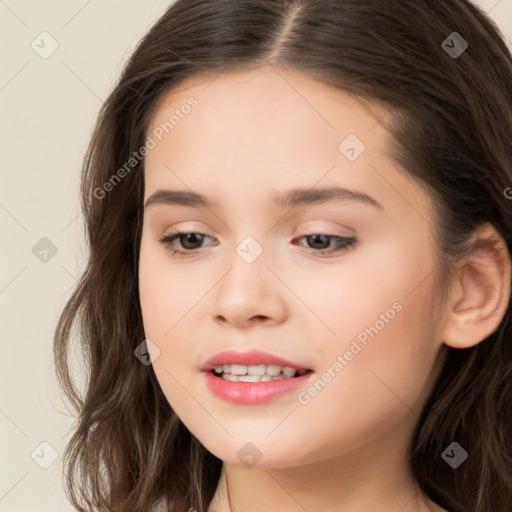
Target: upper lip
248 358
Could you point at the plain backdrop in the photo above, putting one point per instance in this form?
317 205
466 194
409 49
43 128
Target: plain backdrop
48 106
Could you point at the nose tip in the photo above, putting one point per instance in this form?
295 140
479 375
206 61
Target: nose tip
247 296
252 319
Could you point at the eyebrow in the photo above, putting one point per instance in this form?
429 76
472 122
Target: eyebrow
292 198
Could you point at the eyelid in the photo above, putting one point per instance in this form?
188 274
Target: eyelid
325 227
346 243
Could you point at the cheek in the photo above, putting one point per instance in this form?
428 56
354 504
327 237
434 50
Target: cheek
171 299
161 300
384 379
153 290
391 372
166 291
379 323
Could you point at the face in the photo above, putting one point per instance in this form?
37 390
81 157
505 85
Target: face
336 283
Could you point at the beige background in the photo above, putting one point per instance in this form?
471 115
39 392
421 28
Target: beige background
48 107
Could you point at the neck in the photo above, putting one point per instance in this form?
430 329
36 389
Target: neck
372 477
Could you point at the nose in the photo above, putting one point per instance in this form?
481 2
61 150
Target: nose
250 293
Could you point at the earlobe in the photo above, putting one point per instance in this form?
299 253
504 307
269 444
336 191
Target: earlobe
481 293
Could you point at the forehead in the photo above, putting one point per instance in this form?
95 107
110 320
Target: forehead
268 117
270 128
263 89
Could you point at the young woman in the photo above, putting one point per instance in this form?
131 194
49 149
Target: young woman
298 290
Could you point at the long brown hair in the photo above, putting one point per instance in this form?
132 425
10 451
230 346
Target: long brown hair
451 121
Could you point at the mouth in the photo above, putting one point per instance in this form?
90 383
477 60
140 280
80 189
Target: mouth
253 377
256 373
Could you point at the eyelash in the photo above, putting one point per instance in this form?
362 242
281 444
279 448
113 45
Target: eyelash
347 242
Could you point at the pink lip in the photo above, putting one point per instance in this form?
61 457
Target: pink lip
251 393
248 358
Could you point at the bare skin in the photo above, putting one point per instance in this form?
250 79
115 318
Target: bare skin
253 135
221 500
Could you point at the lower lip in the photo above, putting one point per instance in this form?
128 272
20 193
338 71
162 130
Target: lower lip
253 393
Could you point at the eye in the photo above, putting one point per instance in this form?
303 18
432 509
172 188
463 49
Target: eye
191 239
188 239
322 241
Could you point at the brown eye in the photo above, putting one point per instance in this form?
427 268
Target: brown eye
322 242
319 241
188 241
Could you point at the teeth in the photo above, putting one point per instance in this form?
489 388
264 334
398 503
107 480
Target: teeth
256 370
238 369
249 378
289 372
259 373
273 369
228 376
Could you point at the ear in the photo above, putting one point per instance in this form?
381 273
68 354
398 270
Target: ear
481 293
